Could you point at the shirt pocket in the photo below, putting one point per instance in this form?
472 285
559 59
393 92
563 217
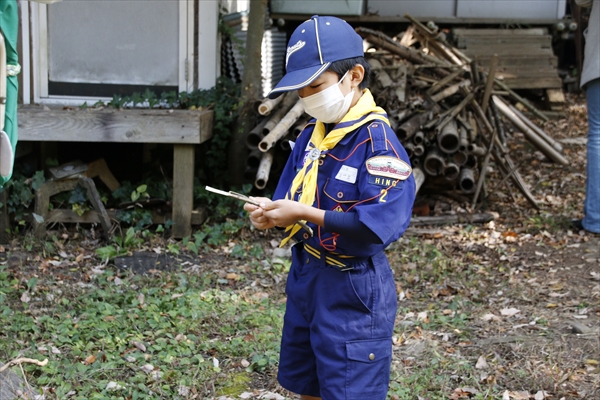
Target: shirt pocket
341 192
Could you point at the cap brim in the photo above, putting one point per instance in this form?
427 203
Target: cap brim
298 79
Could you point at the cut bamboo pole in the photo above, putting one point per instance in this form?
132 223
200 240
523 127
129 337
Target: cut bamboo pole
489 83
269 105
264 168
532 136
525 102
281 129
276 116
536 128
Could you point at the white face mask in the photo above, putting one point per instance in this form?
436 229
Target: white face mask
329 105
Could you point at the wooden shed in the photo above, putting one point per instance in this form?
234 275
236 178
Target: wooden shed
80 52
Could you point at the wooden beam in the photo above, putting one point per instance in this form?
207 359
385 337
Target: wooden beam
111 125
467 32
536 41
183 189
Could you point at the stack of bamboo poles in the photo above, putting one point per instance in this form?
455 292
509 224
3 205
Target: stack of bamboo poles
450 115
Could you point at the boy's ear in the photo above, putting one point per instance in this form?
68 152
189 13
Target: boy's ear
358 74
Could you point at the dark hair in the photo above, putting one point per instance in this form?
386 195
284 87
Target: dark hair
342 66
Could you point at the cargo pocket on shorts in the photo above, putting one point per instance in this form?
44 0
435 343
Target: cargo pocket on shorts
368 368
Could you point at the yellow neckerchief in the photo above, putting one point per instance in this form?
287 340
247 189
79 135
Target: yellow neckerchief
364 111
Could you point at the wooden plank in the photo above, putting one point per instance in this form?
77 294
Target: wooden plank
183 189
501 51
541 41
529 83
109 125
518 60
466 32
527 73
100 168
555 98
42 201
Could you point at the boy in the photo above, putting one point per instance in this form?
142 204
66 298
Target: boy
350 180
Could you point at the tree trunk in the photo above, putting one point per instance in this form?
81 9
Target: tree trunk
251 80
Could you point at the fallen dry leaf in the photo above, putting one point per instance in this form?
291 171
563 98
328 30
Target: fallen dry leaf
481 363
89 359
509 312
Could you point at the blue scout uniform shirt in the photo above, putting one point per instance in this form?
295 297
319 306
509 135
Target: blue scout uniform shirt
360 174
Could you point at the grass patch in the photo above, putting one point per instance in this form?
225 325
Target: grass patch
137 337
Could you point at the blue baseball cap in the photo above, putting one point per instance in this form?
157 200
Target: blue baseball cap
313 46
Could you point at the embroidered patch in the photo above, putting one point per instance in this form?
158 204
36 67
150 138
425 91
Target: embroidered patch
292 49
389 167
347 174
385 182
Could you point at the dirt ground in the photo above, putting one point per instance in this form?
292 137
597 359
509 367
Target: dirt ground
525 286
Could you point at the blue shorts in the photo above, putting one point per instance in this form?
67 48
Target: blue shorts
337 331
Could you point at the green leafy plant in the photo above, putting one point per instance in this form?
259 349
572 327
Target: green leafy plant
21 189
121 245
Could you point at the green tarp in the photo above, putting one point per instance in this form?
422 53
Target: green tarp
9 25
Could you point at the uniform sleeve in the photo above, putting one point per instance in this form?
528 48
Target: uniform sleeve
386 203
348 224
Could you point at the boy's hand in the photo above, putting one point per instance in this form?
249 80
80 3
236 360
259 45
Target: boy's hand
287 212
257 217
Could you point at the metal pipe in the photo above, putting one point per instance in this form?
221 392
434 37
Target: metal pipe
419 150
451 171
412 125
459 158
471 161
419 178
448 139
475 150
419 137
466 180
434 162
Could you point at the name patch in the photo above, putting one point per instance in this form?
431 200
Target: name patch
347 174
385 182
389 167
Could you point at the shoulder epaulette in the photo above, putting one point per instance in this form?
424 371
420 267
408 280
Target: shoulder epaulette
378 134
